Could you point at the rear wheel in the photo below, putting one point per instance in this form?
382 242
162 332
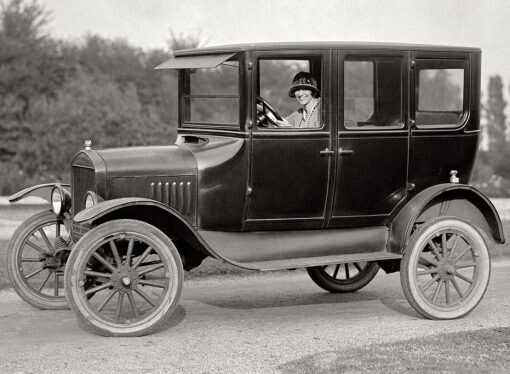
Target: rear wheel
345 277
446 268
36 257
124 278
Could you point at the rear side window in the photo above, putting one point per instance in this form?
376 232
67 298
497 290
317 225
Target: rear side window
372 92
359 91
440 92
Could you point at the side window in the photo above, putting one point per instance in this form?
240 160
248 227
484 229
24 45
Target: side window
372 92
211 96
440 92
358 92
278 82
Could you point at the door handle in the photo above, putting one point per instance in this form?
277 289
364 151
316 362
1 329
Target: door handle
342 151
327 152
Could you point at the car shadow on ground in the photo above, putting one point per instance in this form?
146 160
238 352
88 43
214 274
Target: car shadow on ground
177 317
261 301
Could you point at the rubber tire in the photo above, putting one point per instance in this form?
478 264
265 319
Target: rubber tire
23 290
408 268
86 318
325 281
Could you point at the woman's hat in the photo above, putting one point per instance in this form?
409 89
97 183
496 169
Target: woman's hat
304 81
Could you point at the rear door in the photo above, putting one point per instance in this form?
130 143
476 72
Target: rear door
446 131
373 137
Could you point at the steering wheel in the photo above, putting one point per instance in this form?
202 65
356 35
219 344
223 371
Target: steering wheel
266 114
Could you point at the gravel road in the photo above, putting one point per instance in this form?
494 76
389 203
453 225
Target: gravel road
237 324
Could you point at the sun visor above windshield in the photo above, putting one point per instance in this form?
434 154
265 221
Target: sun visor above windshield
195 62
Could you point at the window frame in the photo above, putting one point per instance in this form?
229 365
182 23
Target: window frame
309 55
424 62
185 98
371 56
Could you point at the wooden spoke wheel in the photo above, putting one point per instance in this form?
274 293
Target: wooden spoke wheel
345 277
446 268
36 257
124 278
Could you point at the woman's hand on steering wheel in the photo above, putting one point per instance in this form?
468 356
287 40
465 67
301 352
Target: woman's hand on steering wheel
267 115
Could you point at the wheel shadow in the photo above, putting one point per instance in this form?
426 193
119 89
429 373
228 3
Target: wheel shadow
177 317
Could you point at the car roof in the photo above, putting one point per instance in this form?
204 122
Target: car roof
234 48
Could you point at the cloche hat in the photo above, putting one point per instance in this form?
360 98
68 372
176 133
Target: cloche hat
304 81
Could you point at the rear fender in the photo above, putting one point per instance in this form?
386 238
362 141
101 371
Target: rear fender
41 190
449 199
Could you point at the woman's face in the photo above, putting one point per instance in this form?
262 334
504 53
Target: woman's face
303 96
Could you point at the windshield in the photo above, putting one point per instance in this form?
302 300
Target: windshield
211 96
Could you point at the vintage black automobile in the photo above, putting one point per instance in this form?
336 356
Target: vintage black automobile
383 181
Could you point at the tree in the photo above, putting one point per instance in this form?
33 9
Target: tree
492 172
29 67
178 42
54 94
496 126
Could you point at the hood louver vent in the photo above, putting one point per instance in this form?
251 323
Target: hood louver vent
174 194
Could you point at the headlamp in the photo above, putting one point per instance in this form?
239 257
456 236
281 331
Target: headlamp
91 199
60 200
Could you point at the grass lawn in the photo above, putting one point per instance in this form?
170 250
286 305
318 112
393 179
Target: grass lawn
481 351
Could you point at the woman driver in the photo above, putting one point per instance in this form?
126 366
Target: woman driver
304 89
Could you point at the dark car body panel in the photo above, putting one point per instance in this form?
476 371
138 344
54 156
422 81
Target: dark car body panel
222 167
370 46
271 199
289 181
167 174
148 161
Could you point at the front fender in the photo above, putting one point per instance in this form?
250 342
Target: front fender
165 218
94 213
41 190
460 200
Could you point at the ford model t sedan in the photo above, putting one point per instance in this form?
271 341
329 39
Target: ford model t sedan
334 157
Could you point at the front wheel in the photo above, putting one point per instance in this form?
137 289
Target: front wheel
446 268
36 257
343 278
123 278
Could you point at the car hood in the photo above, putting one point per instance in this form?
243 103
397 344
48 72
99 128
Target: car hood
170 160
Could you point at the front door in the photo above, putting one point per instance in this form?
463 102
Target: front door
373 138
290 166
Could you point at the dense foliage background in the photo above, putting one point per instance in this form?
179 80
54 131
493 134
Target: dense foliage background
54 94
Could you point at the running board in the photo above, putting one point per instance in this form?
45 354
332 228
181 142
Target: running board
283 246
317 261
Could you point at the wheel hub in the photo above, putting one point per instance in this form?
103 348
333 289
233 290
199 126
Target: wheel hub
57 258
124 279
52 262
446 268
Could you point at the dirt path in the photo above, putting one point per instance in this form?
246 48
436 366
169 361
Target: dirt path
236 324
